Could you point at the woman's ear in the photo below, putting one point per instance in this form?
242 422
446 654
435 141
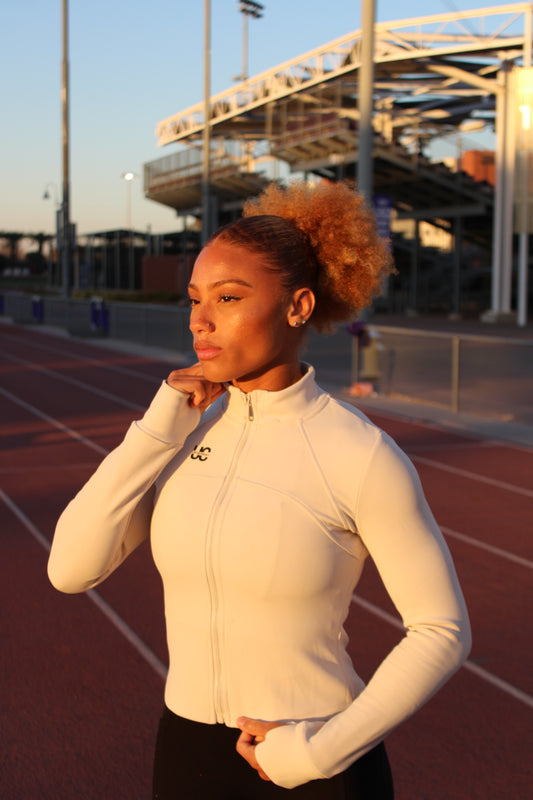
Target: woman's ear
301 308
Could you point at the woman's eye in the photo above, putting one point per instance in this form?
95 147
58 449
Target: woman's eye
226 298
192 301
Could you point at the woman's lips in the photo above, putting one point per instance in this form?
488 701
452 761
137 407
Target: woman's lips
205 352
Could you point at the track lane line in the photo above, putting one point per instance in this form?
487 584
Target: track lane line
463 473
475 669
443 426
179 359
75 382
497 551
116 620
77 359
54 422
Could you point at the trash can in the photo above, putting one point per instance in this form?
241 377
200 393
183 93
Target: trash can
37 309
99 316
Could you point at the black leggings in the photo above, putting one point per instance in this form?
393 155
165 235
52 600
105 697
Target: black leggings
194 761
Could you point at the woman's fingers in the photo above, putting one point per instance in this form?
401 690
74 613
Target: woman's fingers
192 381
246 748
253 731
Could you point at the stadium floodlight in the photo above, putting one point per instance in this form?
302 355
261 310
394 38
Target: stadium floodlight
248 8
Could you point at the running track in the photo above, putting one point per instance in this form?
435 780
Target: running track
82 676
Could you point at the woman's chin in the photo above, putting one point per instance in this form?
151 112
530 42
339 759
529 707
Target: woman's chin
216 373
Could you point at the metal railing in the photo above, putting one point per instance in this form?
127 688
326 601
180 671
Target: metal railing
480 374
488 375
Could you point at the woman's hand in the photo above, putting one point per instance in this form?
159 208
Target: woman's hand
253 732
191 381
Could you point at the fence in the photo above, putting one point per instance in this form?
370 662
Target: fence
487 375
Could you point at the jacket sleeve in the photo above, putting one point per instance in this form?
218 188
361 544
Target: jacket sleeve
110 516
403 539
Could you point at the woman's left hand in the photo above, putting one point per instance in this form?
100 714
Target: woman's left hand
253 732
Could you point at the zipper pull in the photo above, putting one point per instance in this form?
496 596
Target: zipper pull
250 408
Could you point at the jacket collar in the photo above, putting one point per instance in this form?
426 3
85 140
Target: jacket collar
296 400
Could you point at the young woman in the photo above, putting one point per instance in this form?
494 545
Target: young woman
263 496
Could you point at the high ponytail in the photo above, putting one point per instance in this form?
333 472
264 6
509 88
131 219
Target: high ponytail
322 237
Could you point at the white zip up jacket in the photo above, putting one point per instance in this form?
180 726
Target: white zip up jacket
261 515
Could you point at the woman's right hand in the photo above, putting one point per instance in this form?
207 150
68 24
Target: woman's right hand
191 381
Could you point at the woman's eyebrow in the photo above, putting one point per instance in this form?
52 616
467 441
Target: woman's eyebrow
217 284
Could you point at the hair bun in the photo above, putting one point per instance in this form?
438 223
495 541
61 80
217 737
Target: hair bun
342 231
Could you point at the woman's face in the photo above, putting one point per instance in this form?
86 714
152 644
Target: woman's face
241 320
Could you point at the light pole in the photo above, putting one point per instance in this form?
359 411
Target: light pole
248 8
59 248
66 255
206 144
129 177
366 90
524 224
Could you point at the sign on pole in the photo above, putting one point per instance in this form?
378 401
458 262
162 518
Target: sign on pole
383 213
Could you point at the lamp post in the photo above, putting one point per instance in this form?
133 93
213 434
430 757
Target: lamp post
525 110
206 144
66 250
248 8
366 89
129 177
59 249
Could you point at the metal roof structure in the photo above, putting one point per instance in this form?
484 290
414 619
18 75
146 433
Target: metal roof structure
433 75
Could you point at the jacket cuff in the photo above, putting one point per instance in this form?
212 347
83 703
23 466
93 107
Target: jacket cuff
285 757
169 417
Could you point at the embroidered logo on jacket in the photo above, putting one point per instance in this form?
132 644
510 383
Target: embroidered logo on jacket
201 453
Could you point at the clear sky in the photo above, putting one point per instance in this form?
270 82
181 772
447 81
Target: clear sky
131 65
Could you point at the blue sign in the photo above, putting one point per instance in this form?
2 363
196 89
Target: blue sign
383 213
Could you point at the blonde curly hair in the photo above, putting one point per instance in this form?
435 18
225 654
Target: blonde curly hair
320 236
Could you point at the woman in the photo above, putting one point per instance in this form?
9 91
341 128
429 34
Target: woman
263 496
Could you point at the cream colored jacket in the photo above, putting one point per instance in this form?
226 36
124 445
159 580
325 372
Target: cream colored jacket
262 513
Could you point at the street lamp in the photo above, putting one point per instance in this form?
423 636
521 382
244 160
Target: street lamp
46 193
58 214
66 229
129 177
248 8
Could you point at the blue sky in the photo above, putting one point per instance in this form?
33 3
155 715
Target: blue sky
131 65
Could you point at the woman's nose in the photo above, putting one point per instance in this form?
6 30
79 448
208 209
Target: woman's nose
200 321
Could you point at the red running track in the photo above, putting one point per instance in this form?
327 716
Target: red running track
83 675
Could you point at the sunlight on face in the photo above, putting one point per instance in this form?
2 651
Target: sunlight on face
239 320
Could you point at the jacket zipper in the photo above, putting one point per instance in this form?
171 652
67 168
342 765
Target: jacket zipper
211 571
250 408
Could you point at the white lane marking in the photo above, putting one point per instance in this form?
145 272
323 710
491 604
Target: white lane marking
75 382
509 487
180 359
68 465
456 428
51 421
484 674
497 551
128 633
